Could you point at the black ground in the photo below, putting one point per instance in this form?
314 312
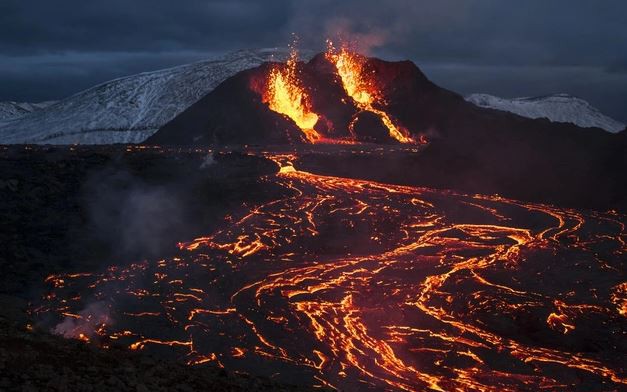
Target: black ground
73 209
67 209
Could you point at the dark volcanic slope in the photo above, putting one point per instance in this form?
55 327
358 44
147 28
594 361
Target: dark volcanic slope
231 114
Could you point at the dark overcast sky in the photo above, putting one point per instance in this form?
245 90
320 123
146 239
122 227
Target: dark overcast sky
51 49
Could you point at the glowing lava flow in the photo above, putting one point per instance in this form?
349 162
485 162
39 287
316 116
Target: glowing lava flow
284 94
356 284
361 87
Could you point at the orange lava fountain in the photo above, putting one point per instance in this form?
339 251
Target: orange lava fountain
360 87
284 94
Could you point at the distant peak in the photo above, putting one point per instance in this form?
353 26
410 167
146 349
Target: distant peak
559 107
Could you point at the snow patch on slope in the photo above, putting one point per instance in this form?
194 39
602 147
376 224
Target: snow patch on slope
11 109
557 108
129 109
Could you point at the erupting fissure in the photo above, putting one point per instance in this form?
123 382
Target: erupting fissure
285 94
361 88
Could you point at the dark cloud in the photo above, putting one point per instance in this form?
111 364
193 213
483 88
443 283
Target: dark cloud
50 49
53 76
40 26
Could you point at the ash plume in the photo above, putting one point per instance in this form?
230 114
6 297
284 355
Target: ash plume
368 26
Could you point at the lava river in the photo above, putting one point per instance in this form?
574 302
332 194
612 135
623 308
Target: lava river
356 285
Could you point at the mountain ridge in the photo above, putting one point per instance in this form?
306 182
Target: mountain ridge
130 108
560 107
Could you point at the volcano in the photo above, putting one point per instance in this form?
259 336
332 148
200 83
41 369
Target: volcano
234 113
469 148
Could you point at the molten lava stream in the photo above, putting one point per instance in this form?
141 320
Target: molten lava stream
362 89
356 284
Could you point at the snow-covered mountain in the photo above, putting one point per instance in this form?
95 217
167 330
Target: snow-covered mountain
129 109
557 108
11 109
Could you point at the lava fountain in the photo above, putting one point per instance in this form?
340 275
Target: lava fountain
360 86
285 94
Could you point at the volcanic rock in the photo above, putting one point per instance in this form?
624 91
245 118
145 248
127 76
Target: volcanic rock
328 97
368 127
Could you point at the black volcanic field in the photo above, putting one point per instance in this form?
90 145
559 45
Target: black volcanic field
82 209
